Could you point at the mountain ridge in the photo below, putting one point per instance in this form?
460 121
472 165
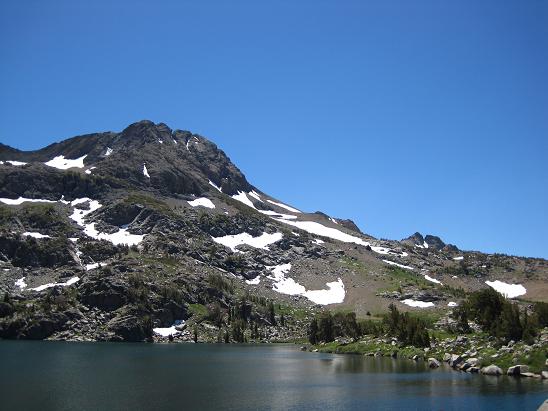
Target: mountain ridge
146 224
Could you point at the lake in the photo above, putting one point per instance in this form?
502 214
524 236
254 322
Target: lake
40 375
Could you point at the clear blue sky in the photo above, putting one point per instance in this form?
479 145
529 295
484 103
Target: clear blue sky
405 116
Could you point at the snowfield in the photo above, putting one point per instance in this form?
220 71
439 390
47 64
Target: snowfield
508 290
63 163
288 208
334 294
202 202
315 228
418 304
262 241
318 229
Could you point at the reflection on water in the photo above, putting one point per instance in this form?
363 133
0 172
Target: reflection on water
97 376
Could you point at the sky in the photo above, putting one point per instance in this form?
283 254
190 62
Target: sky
427 116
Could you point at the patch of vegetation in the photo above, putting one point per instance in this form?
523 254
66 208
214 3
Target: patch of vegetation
197 310
499 317
149 202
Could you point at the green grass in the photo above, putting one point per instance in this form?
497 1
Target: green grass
197 310
293 312
149 202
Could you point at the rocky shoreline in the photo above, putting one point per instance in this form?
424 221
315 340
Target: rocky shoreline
476 354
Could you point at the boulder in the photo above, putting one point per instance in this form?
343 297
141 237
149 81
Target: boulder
446 357
517 370
491 370
544 375
543 406
433 363
473 361
455 360
473 370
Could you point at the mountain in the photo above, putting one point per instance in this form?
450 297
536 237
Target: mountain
109 236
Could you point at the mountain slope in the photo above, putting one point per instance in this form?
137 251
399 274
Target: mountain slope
147 228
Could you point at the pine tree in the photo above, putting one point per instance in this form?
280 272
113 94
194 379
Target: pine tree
313 332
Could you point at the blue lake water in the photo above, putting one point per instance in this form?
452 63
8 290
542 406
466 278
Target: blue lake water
39 375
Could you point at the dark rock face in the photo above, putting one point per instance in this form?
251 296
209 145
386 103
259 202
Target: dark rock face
414 239
104 293
130 325
178 162
434 242
350 225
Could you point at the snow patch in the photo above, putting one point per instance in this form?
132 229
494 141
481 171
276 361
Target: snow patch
145 171
262 241
433 280
334 294
211 183
88 171
166 332
458 258
254 281
202 201
109 152
22 200
452 304
242 197
318 229
71 281
35 235
288 208
94 265
21 284
419 304
63 163
507 290
398 265
318 241
282 284
122 236
13 163
255 195
333 220
275 215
